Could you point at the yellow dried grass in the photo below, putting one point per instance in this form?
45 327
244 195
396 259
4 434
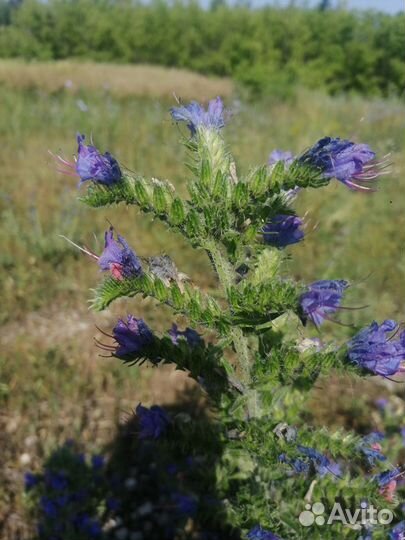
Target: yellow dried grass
119 80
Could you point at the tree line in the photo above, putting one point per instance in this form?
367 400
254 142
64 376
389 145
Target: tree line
269 50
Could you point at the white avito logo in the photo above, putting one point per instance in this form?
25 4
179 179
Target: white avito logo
314 514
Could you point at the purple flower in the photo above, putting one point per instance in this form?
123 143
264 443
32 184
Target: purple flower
153 422
320 462
386 477
192 337
31 480
279 155
373 438
388 483
371 448
49 508
185 504
118 257
91 165
353 164
403 434
62 500
299 465
321 299
91 527
56 481
398 532
196 116
283 230
381 403
373 350
97 462
131 336
333 468
258 533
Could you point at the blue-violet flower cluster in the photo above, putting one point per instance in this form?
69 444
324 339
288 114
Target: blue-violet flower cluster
131 336
153 422
283 230
322 299
378 350
92 165
258 533
353 164
196 116
118 257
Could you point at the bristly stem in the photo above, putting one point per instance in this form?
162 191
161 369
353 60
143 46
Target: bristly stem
226 276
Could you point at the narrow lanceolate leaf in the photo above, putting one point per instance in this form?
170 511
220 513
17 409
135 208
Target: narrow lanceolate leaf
241 195
205 172
176 298
199 307
160 200
259 181
177 213
220 186
194 225
142 196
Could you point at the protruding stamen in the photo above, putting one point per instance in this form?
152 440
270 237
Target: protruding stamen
83 249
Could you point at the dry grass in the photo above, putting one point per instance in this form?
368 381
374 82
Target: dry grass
121 81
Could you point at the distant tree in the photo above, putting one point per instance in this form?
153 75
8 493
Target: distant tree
215 4
6 8
324 5
269 53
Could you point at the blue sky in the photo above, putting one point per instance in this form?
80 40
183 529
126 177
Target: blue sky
389 6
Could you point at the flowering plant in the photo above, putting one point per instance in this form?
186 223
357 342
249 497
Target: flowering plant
255 374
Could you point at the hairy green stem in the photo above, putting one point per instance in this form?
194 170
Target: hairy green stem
226 277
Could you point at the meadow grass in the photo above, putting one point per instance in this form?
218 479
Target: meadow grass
53 385
118 80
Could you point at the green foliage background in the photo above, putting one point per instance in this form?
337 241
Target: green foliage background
269 50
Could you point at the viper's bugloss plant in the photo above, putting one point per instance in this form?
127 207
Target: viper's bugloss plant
254 372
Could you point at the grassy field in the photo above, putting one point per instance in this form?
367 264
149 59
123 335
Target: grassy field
53 386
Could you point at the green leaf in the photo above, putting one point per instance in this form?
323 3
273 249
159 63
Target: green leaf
193 223
206 172
159 199
258 181
176 296
160 290
241 195
177 213
220 187
141 193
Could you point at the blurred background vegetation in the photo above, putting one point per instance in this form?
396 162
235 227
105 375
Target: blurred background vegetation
268 50
290 76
